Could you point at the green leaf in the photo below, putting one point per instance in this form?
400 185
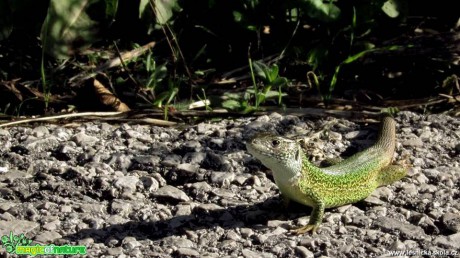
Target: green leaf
326 12
273 94
317 56
354 57
273 72
111 7
67 28
237 16
261 69
391 9
142 5
231 104
6 25
164 10
279 82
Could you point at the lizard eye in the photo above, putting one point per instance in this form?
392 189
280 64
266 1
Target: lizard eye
275 143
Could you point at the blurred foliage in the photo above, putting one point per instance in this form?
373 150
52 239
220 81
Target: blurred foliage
296 36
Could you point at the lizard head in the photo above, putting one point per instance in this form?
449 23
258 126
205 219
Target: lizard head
283 156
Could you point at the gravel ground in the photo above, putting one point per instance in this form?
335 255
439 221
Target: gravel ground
143 191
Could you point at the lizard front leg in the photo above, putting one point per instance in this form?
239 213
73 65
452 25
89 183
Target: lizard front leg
316 218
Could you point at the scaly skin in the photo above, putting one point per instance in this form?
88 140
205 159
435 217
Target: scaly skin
346 182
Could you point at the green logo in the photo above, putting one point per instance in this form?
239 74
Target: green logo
21 245
10 242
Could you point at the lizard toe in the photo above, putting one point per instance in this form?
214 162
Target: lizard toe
307 228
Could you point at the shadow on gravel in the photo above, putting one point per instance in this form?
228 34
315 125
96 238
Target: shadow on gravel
250 216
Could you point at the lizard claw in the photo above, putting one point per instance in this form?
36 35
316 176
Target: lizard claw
302 230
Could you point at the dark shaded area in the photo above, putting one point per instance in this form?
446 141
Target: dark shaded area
250 216
216 37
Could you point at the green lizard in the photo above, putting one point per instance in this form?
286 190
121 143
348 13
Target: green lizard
346 182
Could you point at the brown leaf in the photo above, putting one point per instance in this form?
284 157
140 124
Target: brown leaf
108 99
11 87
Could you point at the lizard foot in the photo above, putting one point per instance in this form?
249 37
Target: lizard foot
305 229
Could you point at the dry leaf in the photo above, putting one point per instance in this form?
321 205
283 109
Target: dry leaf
108 99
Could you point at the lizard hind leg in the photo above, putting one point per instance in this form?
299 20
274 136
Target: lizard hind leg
391 174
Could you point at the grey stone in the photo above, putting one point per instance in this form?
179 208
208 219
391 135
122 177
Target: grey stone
222 178
362 221
40 131
13 174
252 254
353 134
73 191
232 235
114 251
171 160
145 161
452 221
188 168
194 158
413 142
130 243
82 139
172 193
192 146
40 145
187 252
208 207
178 242
277 223
141 136
4 132
51 226
88 241
421 178
183 210
407 230
160 179
215 162
126 183
7 216
120 207
215 143
410 190
17 227
95 223
246 232
303 252
66 209
451 242
150 184
95 208
47 237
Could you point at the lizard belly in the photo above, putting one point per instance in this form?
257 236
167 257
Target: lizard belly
292 192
